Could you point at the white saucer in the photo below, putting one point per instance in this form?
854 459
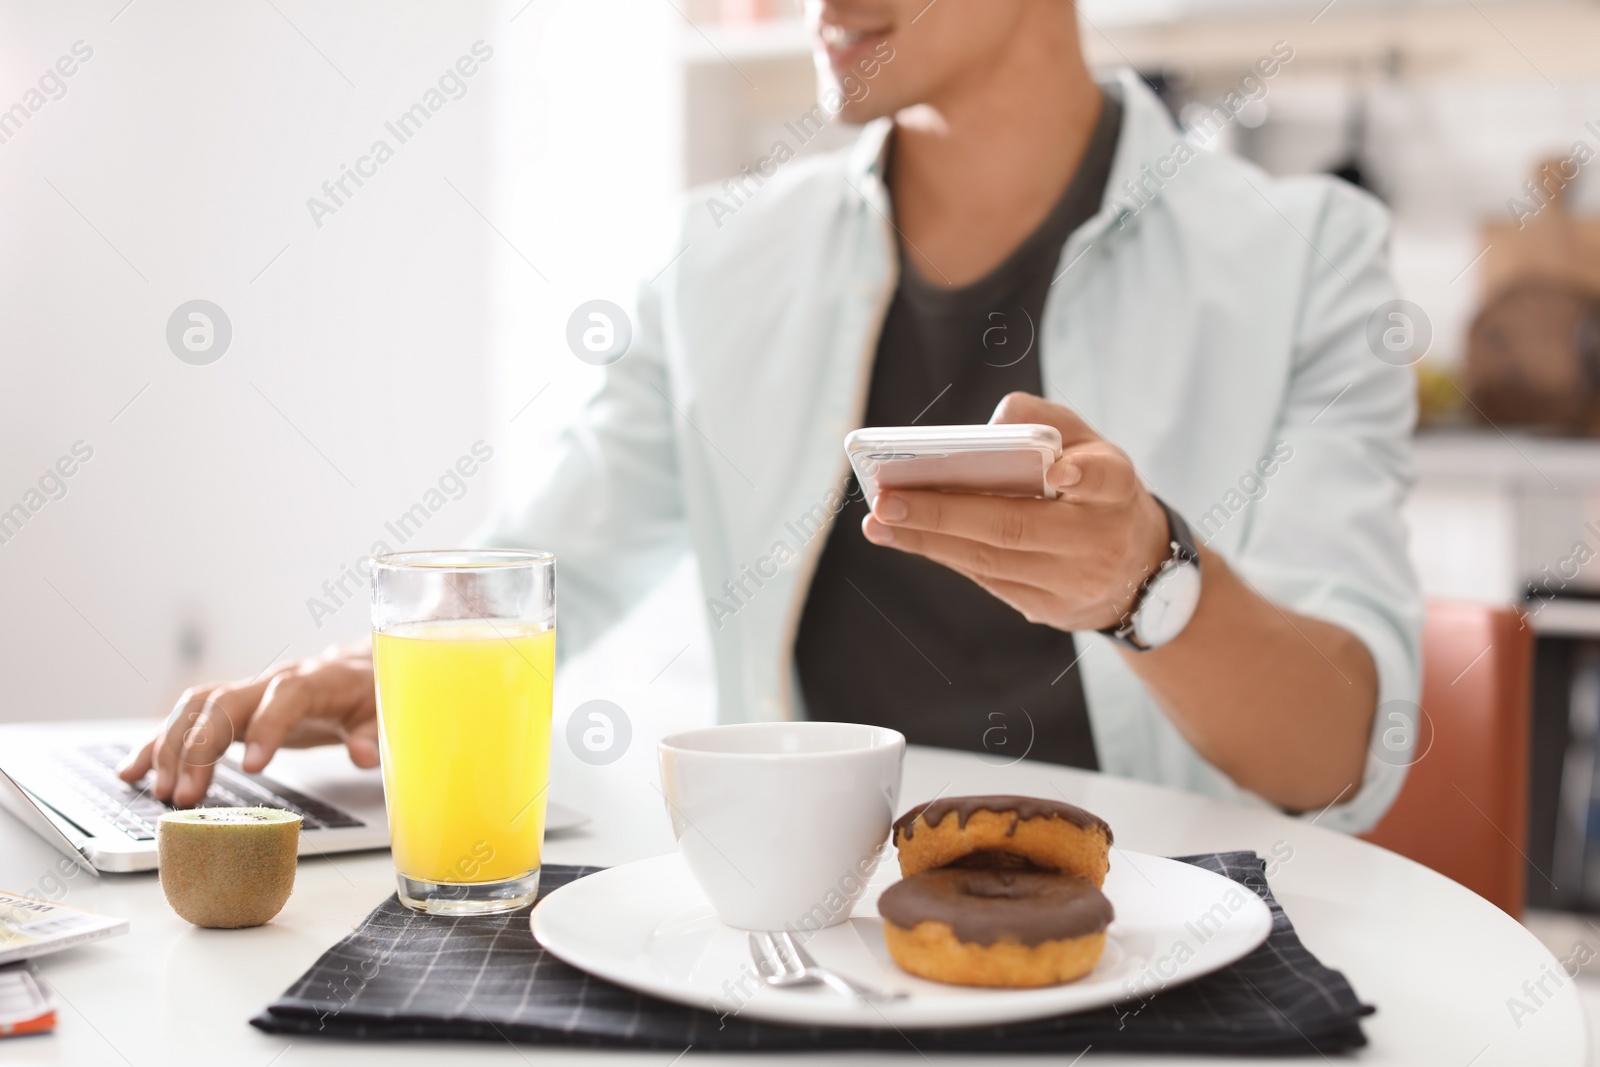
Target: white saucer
647 926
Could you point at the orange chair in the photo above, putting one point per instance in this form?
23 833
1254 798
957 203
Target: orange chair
1464 808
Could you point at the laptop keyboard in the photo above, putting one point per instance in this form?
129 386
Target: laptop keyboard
131 809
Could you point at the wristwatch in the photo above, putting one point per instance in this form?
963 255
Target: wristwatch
1165 601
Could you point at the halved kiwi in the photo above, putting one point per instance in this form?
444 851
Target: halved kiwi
226 868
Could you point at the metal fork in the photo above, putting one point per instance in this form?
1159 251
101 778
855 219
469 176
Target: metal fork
783 963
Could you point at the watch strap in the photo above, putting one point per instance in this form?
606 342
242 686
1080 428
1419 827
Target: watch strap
1183 550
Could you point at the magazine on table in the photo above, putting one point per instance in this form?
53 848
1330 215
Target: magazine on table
30 927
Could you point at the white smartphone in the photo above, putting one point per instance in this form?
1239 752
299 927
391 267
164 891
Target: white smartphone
1005 460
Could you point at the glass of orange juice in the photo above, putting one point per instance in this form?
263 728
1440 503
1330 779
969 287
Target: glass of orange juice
463 646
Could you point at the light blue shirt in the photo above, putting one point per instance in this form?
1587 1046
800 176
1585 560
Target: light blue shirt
1209 319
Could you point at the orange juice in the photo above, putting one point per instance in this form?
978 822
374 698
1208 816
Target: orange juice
464 719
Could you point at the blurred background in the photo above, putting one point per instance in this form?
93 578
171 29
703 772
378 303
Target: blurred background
175 511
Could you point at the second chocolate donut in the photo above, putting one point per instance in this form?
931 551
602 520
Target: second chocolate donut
1004 831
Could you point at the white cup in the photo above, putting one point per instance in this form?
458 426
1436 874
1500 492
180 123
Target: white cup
782 823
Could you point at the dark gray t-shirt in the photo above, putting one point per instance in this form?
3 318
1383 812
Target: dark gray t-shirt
896 640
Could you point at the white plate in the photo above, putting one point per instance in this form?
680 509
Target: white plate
647 926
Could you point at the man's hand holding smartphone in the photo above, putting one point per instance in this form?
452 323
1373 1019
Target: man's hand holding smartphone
1074 562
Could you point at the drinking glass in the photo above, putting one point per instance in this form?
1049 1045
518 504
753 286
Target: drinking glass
463 647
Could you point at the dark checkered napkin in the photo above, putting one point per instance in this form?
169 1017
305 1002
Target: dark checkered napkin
403 975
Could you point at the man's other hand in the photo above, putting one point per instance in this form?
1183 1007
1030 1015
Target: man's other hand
323 701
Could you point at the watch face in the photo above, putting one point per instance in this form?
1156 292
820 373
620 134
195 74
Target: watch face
1168 605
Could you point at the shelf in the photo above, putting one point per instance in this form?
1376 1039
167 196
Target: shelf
1152 12
1487 459
1528 41
1565 618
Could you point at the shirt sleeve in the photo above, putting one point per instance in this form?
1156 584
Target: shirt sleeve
1328 540
608 503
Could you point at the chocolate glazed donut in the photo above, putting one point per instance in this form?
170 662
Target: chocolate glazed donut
996 927
1001 831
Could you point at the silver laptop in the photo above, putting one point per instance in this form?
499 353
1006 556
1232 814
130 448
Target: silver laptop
60 780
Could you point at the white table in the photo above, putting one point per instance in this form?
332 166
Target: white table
1438 961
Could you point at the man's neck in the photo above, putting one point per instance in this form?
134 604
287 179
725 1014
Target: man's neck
977 170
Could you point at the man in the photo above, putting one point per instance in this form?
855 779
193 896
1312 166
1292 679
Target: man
1192 328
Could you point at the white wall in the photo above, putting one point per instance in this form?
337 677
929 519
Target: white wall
368 356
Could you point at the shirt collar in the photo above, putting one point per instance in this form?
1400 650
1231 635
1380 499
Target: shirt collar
867 165
1148 133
